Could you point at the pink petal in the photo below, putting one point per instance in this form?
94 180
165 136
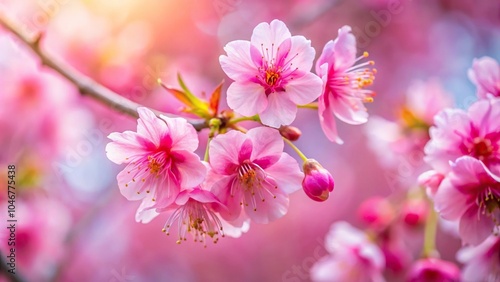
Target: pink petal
247 99
474 228
280 110
467 173
236 230
129 188
146 212
189 167
329 269
449 202
224 152
165 190
451 125
282 52
268 210
349 110
286 173
302 53
485 115
126 146
305 89
268 34
327 120
344 49
204 196
150 126
222 189
325 60
485 74
238 64
182 135
267 146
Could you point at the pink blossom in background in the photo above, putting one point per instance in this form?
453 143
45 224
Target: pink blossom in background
470 194
430 180
376 212
433 270
271 74
255 175
352 257
344 84
160 161
408 133
458 133
482 262
485 74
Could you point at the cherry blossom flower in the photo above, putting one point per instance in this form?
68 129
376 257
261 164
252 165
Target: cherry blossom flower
458 133
254 174
160 161
271 73
482 262
470 194
344 84
195 213
433 270
353 257
485 74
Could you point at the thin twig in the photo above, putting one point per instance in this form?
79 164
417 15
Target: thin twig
85 84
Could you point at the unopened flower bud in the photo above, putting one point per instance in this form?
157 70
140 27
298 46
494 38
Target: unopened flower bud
318 182
430 180
291 133
376 212
433 270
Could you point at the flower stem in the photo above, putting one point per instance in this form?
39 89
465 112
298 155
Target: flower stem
313 106
429 249
240 119
301 155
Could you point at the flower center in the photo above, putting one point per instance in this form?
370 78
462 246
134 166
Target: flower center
198 219
352 82
276 67
250 175
272 77
154 165
481 148
489 203
255 183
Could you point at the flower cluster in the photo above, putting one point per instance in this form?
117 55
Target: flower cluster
464 152
462 190
245 175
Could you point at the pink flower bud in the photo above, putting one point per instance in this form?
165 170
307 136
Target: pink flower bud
430 180
291 133
376 212
415 212
433 270
318 182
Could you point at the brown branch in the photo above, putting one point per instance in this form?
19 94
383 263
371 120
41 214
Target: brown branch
85 84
